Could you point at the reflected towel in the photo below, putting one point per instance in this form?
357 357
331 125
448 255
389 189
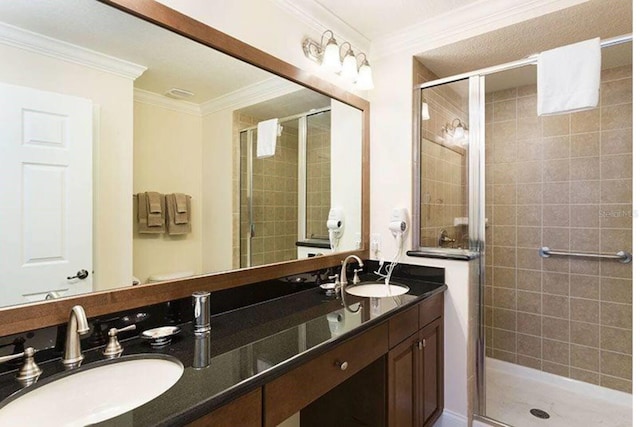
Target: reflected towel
267 136
569 78
178 222
155 218
181 208
143 215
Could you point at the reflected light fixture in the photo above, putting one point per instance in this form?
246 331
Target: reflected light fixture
329 55
455 132
425 111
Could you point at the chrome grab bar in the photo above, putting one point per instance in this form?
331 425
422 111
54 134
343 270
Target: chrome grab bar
622 256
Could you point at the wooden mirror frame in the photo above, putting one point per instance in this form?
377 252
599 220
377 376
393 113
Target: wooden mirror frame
31 316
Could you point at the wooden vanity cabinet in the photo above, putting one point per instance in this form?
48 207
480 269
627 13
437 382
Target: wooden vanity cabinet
413 342
416 371
245 411
299 387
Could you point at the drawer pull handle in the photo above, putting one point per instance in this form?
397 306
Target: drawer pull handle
342 365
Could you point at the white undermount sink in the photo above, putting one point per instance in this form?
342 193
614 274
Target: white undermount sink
377 290
92 393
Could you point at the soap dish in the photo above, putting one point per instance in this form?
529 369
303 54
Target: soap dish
160 337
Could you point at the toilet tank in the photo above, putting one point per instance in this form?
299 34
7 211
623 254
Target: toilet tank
164 277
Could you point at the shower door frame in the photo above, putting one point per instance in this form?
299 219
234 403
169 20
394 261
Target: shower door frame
476 194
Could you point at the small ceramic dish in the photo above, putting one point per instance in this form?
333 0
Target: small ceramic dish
160 337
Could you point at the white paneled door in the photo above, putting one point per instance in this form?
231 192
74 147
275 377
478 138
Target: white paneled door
45 194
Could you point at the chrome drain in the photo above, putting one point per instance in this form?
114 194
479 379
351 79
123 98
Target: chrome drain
539 413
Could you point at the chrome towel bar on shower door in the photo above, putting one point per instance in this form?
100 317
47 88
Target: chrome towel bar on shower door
622 256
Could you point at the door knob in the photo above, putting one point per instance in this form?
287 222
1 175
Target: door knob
82 274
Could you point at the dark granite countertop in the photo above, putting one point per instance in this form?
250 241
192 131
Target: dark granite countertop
249 347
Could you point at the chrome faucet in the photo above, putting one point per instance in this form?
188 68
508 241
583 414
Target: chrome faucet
76 327
343 272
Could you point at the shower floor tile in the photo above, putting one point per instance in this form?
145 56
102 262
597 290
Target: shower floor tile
512 391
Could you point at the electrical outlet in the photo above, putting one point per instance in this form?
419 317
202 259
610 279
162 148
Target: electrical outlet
375 245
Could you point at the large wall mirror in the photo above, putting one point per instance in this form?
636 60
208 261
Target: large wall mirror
132 154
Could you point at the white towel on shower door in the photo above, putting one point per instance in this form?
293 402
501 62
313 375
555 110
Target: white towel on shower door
569 78
267 136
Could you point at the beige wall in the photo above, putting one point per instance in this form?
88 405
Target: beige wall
563 182
217 168
112 151
346 170
167 157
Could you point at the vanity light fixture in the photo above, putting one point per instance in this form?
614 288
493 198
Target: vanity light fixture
329 55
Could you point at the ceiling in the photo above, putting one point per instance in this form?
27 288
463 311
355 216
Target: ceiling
595 18
171 60
375 19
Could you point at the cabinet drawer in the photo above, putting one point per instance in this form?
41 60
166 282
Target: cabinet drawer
431 309
245 411
291 392
403 325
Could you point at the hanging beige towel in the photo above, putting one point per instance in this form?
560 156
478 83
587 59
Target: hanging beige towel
155 202
182 216
178 222
143 216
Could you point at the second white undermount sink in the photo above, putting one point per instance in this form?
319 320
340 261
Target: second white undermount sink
376 290
92 393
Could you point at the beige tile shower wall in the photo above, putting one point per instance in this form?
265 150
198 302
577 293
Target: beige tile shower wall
318 180
275 185
443 168
562 182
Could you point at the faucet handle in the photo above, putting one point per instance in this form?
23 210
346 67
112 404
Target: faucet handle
114 348
334 277
29 372
356 278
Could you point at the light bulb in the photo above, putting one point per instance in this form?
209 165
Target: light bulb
425 111
349 67
458 133
331 56
365 77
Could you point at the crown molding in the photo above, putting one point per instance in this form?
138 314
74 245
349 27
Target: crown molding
249 95
33 42
152 98
468 21
320 19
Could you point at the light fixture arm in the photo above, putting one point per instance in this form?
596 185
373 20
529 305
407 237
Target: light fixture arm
364 59
322 45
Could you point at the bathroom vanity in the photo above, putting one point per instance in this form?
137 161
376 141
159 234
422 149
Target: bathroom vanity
300 352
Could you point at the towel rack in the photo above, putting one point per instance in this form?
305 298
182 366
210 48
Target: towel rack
622 256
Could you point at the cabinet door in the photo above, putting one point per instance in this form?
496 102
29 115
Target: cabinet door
402 364
431 372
